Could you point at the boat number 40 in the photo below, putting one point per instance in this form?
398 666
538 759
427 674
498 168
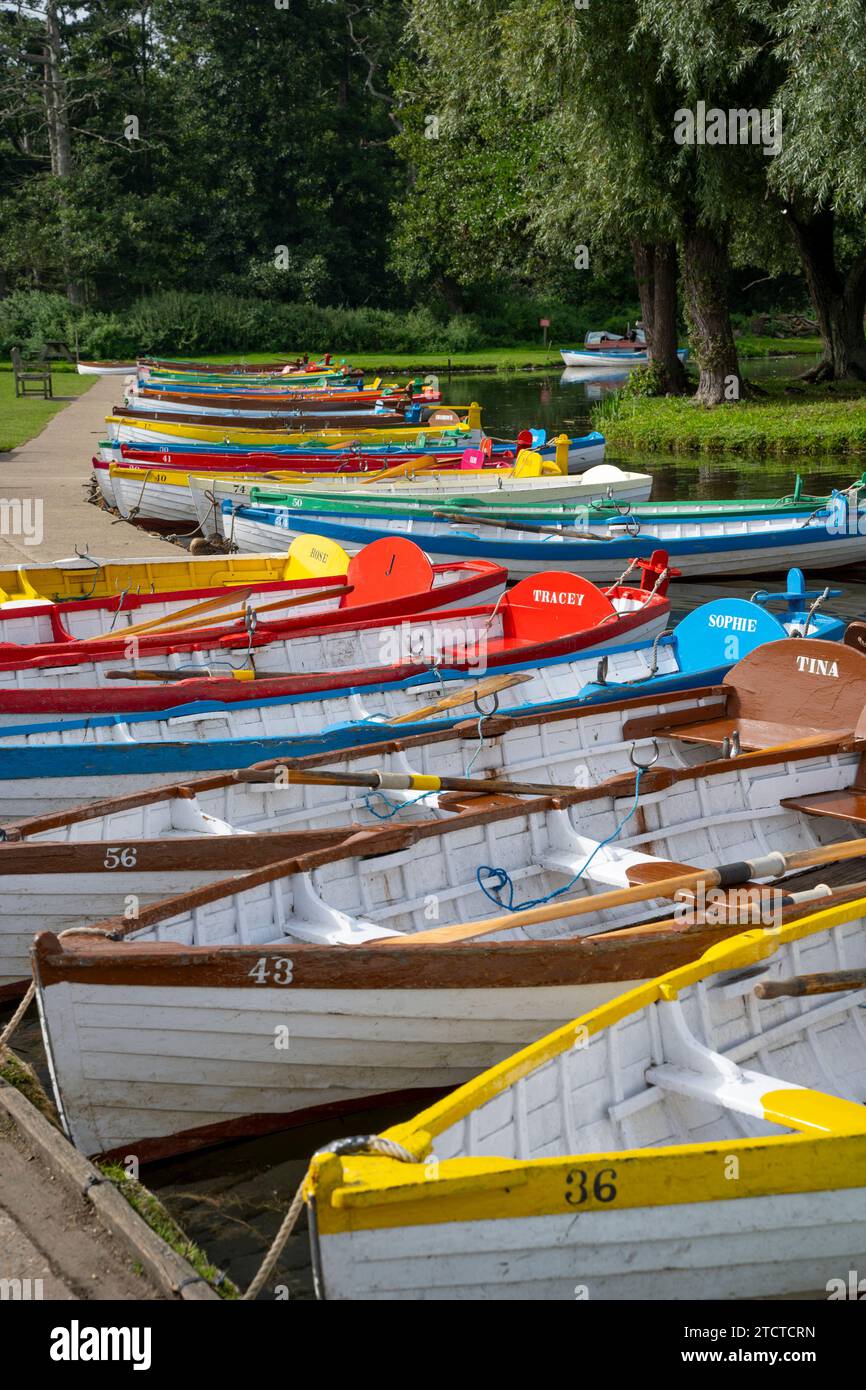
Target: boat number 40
578 1191
272 972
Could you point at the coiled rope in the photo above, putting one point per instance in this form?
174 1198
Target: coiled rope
502 878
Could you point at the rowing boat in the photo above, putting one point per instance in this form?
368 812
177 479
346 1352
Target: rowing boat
548 616
61 738
703 1136
388 578
542 742
827 538
129 429
180 497
410 1002
86 576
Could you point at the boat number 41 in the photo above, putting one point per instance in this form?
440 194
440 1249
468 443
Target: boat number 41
272 972
577 1189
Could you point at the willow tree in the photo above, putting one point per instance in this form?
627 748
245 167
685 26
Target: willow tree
603 90
804 62
820 175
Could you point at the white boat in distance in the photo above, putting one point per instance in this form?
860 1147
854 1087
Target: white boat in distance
606 350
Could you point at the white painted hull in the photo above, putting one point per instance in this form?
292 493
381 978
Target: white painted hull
758 1247
105 369
57 902
416 639
186 1060
199 501
522 553
202 1055
757 1102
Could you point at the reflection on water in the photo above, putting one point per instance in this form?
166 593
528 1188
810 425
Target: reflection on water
231 1200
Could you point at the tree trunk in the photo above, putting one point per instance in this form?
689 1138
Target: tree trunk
643 254
705 278
655 268
839 300
59 138
663 342
450 292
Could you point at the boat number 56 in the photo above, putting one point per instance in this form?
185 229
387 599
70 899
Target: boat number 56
272 972
577 1191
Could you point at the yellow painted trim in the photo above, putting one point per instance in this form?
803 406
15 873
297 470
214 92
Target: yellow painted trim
356 1194
367 1192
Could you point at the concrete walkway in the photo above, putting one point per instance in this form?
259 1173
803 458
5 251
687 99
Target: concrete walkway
47 478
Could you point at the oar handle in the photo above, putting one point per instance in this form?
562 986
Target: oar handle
798 986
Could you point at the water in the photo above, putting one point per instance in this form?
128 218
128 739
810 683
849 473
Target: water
232 1199
561 400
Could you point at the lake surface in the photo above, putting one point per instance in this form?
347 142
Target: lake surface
231 1200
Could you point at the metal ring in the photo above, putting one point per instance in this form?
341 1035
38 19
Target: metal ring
487 714
635 762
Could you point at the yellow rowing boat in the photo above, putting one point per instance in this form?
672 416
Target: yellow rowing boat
703 1135
128 429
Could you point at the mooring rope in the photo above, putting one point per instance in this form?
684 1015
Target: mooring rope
362 1144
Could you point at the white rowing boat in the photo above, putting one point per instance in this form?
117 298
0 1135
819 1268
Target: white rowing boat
332 944
703 1136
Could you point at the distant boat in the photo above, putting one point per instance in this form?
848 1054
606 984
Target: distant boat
606 350
105 368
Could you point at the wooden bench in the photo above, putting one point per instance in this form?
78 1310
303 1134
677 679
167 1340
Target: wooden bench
31 373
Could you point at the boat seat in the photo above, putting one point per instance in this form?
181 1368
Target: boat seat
849 804
696 1072
754 734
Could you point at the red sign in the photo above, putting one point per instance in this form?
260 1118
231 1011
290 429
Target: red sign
544 323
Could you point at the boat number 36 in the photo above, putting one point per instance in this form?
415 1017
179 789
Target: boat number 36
272 972
578 1189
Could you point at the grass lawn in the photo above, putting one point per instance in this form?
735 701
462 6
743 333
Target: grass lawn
21 419
826 419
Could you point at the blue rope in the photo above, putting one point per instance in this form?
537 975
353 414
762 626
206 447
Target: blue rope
480 745
502 879
393 806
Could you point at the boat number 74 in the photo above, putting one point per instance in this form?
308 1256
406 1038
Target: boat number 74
576 1186
274 972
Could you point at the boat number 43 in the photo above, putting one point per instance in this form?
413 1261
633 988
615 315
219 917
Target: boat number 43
580 1186
272 972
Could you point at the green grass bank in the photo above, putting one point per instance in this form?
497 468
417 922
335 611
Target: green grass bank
790 419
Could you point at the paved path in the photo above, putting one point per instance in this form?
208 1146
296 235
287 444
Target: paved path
49 1235
51 473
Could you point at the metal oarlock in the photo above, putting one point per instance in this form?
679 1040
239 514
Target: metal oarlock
635 762
486 714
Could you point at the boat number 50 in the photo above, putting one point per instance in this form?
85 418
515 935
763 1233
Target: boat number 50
272 972
577 1192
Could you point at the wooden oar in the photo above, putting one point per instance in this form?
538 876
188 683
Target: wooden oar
728 876
569 531
170 622
478 692
404 782
826 982
207 606
396 471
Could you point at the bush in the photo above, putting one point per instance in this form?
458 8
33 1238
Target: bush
174 323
